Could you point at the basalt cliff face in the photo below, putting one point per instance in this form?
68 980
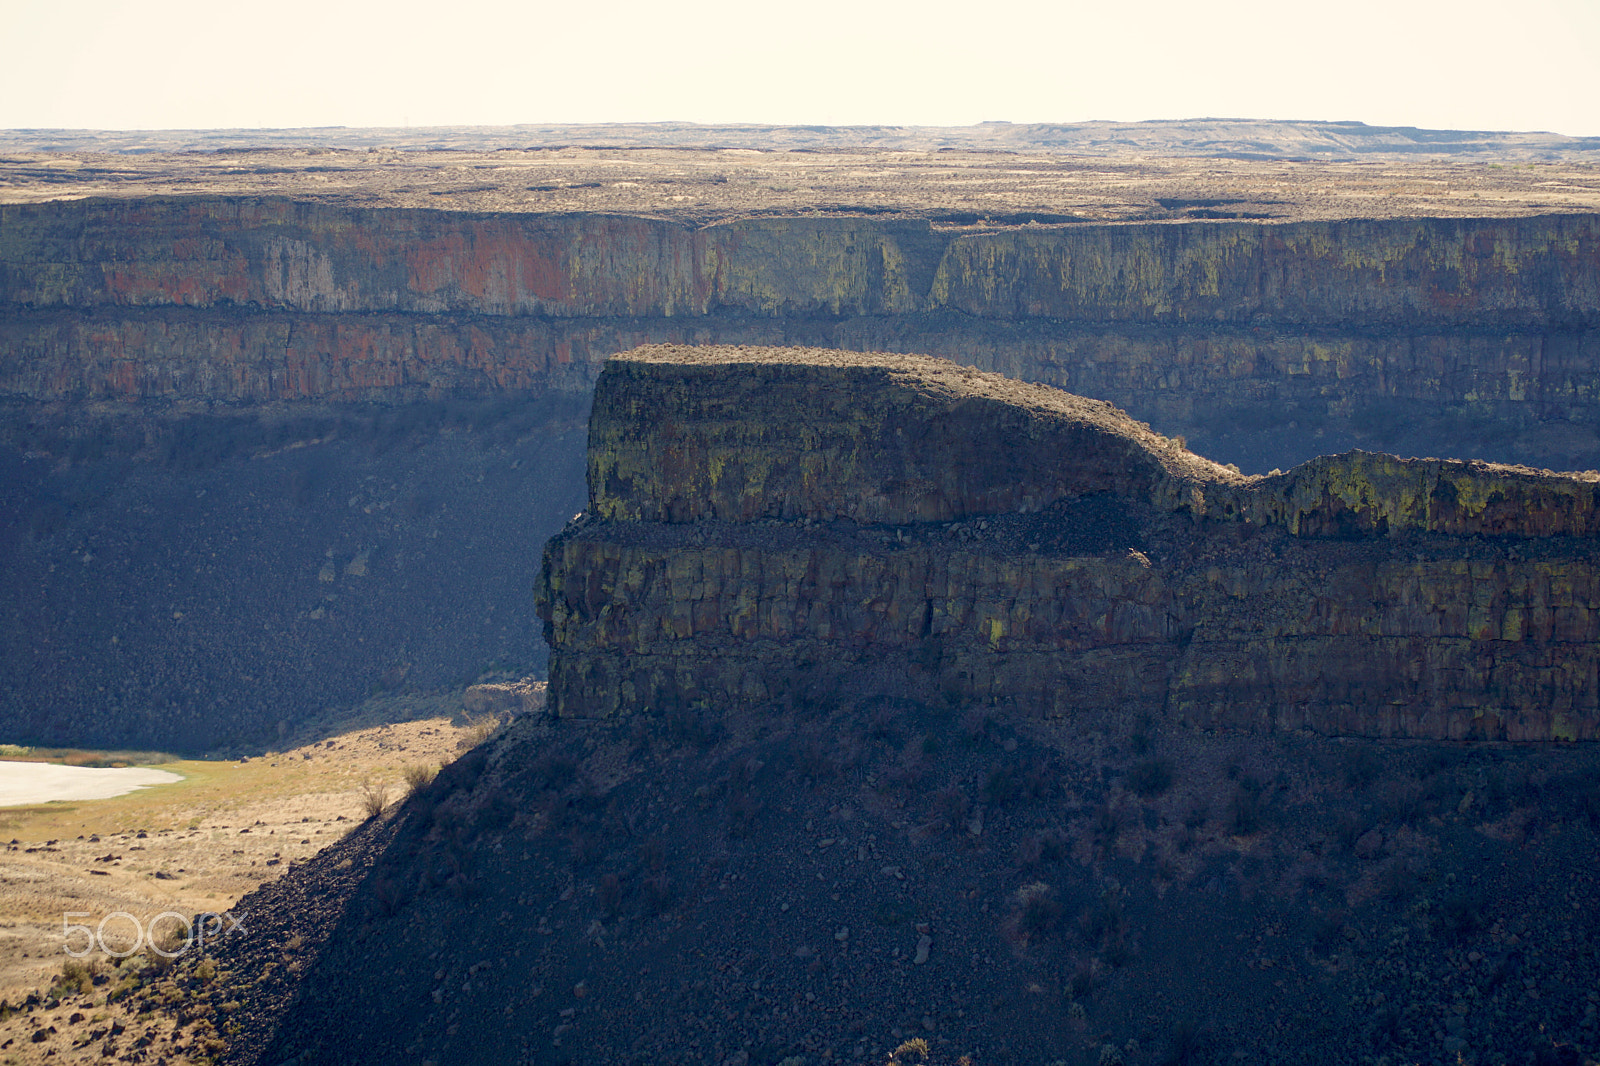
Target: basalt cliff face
201 390
793 527
1462 334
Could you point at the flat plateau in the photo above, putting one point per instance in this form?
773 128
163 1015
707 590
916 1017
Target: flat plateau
950 188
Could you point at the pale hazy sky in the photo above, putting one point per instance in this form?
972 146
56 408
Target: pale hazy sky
1450 64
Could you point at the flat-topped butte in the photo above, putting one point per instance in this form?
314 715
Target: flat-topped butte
881 437
797 528
870 437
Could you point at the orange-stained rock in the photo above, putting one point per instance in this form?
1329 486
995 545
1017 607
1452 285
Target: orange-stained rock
1268 342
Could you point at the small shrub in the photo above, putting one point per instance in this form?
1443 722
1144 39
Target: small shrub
480 728
1350 827
1151 777
1106 825
555 770
1385 1027
1398 880
1044 848
1083 979
170 939
949 809
462 774
1106 925
916 1046
1403 802
883 724
814 758
585 846
658 892
77 976
907 777
691 727
374 798
497 810
610 893
1001 786
1186 1044
1328 931
418 777
1361 766
1244 809
1034 915
1039 779
1462 917
1590 802
390 896
742 807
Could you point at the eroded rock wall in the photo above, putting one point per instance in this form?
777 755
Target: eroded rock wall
1444 336
1484 645
1528 272
281 255
1538 272
220 356
1360 595
681 433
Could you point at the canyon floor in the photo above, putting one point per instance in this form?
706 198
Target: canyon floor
194 846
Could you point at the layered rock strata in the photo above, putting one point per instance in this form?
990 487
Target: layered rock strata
1469 331
787 526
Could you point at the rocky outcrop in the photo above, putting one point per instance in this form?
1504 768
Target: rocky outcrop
869 437
788 526
1361 492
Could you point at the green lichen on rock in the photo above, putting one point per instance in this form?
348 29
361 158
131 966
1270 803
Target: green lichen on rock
788 526
1368 492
